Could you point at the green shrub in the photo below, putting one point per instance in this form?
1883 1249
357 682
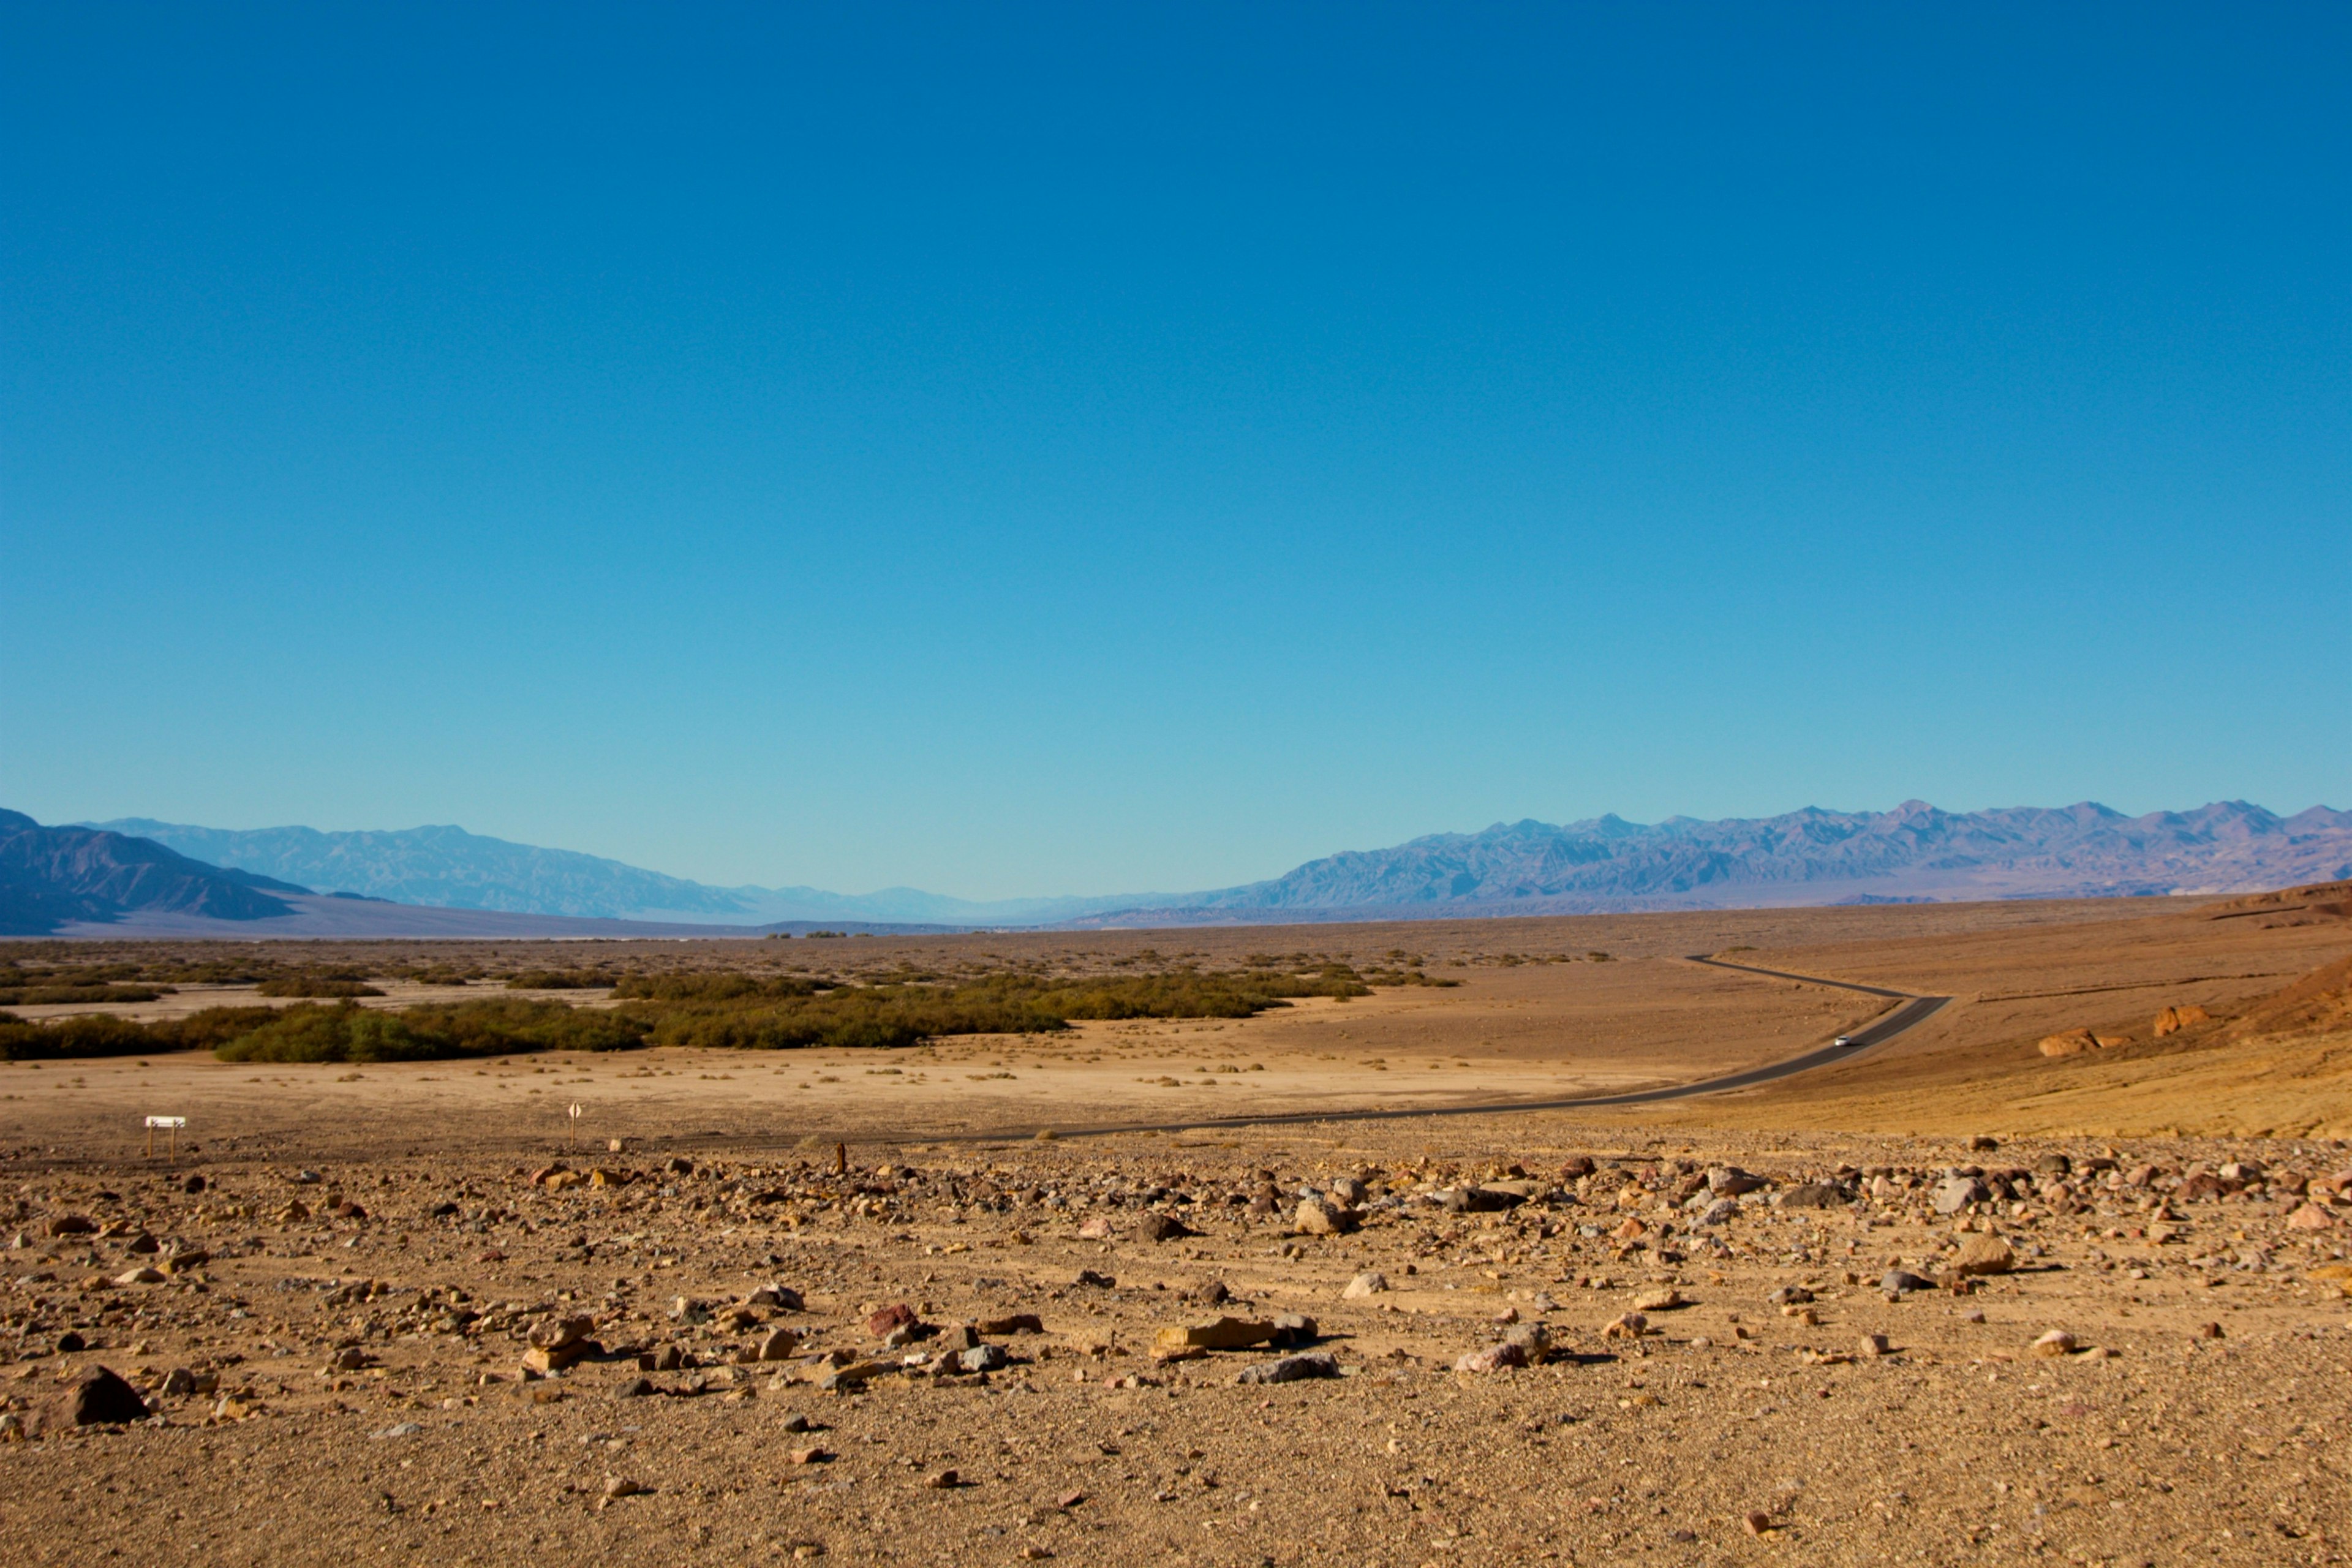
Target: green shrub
315 985
67 994
559 980
728 987
435 1032
87 1035
344 1033
748 1013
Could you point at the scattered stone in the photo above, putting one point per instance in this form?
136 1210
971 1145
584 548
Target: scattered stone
1224 1334
1011 1323
1730 1182
2209 1331
1789 1296
2056 1342
813 1454
882 1323
1983 1255
1664 1300
622 1486
1902 1282
635 1388
983 1358
1293 1329
1954 1194
140 1276
1371 1282
1316 1216
1875 1346
943 1481
779 1345
1628 1326
1156 1227
1494 1358
1096 1227
1757 1521
1816 1195
1291 1368
1098 1281
400 1429
2311 1217
2172 1020
782 1298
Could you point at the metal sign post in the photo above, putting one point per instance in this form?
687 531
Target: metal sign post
171 1125
574 1113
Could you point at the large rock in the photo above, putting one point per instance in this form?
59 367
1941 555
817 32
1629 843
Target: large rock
1316 1216
1371 1282
1494 1358
1730 1181
1816 1195
1984 1254
1954 1194
98 1398
1221 1335
1162 1228
2172 1020
2069 1043
1291 1368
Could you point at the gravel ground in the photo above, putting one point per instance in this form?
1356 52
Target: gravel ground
340 1359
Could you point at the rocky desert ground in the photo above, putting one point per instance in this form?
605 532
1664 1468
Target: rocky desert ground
2060 1274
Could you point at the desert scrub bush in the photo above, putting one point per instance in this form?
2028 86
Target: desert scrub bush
90 1034
780 1012
54 994
106 1034
315 985
724 987
559 980
436 1032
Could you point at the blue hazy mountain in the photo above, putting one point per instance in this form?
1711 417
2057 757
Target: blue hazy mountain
1914 852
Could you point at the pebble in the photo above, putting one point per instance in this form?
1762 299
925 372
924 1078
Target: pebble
2056 1342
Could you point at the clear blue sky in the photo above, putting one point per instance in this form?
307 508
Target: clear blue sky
1015 450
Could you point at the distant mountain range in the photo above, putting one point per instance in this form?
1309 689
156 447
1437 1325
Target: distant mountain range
449 867
1915 853
51 877
73 877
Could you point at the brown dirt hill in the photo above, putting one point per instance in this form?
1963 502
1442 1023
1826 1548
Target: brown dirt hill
2277 1065
2319 1003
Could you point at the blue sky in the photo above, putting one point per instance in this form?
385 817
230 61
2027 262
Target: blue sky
1017 450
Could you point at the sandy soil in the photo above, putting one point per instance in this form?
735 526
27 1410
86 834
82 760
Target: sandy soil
356 1340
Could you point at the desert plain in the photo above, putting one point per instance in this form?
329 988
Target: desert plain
2059 1273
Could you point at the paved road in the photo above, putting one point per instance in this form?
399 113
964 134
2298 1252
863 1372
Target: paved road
1877 1033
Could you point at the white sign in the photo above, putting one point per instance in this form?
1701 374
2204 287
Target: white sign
167 1121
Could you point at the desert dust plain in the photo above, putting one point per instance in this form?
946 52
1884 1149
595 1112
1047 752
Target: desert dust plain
1956 1298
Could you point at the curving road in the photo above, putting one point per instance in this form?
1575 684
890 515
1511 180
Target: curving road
1878 1032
